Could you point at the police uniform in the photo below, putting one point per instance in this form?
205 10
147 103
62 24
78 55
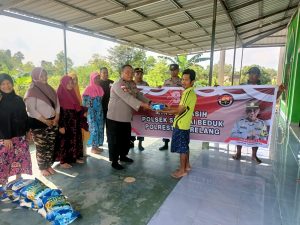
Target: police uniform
139 138
171 82
143 83
124 98
251 130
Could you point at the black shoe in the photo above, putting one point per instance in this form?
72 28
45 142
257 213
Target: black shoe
126 159
131 145
165 147
117 166
141 148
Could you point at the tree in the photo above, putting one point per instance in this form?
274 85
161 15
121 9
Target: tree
6 62
158 74
184 62
120 55
59 63
48 66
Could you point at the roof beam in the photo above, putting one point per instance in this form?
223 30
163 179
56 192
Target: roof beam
67 5
266 33
265 25
225 8
11 4
243 5
165 27
101 15
187 32
163 14
189 16
266 16
118 3
195 39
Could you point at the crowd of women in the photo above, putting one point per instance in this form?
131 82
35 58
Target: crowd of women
62 123
59 123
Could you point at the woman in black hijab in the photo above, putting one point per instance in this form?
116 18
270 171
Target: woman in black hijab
14 149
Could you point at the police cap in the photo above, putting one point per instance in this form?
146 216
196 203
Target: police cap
254 70
174 67
252 105
138 70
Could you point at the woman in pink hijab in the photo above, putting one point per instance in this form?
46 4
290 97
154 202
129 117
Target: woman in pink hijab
43 110
92 99
69 141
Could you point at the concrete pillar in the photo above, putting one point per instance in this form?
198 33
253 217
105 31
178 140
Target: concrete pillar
221 68
280 65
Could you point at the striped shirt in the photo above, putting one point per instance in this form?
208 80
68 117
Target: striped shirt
188 99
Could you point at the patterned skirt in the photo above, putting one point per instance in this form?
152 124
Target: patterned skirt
16 160
69 146
44 140
180 141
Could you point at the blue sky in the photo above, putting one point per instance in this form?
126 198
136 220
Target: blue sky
38 42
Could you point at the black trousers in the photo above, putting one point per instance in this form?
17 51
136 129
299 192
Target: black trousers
119 134
133 138
166 140
105 122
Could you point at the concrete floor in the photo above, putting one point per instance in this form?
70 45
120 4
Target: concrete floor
218 190
99 192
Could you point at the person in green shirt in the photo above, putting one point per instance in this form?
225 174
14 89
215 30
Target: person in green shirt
182 122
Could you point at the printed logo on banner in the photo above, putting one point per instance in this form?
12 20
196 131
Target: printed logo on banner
176 97
225 100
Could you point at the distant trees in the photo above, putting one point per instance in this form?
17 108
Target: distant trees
155 70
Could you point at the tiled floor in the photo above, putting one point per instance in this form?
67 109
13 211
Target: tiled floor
221 191
218 190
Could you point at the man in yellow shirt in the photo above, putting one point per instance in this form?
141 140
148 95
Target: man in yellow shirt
182 123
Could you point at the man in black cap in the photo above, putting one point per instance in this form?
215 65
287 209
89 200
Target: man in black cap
254 79
254 76
138 79
174 81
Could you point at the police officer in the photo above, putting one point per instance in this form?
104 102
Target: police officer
138 79
254 79
174 81
124 98
251 127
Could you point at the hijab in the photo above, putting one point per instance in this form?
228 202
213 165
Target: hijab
3 77
40 90
67 98
76 87
93 90
13 115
